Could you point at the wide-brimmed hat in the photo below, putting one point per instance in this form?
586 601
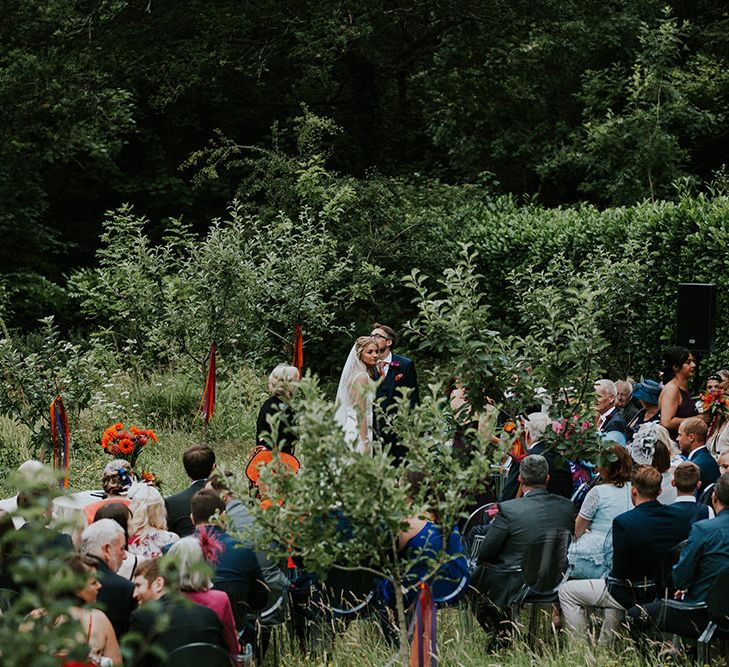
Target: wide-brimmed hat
648 391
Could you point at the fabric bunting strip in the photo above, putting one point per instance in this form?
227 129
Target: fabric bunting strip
423 650
298 360
207 406
60 437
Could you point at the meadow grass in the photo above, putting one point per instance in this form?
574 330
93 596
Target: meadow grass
167 403
462 643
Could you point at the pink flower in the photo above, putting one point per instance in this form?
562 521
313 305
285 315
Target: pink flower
558 426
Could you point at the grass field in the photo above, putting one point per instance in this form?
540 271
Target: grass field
462 643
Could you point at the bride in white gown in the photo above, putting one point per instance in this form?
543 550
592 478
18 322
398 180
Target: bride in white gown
354 396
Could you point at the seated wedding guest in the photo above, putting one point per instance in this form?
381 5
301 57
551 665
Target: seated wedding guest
675 403
148 526
646 392
121 514
723 463
517 524
651 446
274 426
96 629
199 461
165 621
239 517
235 567
624 400
192 574
25 473
103 542
705 557
692 442
609 420
560 477
641 538
116 480
418 546
609 498
687 480
7 530
35 505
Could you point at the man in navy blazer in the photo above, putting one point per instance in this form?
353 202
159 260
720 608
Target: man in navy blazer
103 541
704 559
560 478
199 462
641 539
398 375
687 480
692 441
609 420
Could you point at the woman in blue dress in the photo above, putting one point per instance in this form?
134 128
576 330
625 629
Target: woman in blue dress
588 557
420 546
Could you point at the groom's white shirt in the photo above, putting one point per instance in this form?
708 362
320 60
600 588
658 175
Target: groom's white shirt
386 367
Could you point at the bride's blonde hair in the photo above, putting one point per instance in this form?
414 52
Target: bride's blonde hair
360 345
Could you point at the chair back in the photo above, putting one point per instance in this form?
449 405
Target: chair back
705 497
545 562
479 517
664 579
346 593
7 597
197 655
717 601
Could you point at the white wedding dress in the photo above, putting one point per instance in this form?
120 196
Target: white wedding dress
348 397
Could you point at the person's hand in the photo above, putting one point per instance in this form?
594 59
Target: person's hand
680 594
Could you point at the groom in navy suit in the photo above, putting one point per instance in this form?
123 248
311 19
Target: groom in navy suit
399 374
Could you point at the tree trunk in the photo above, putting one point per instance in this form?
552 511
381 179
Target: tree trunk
400 603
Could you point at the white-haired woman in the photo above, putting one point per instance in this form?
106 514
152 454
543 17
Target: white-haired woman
275 418
193 577
148 525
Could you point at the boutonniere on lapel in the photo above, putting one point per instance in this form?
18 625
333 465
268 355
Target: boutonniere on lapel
396 364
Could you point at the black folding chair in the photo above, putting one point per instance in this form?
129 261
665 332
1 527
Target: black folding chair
717 606
479 517
7 597
347 594
543 568
199 654
705 497
664 578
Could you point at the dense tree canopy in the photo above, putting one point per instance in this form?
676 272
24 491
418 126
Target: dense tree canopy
104 102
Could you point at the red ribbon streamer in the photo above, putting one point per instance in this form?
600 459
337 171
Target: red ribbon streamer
423 649
208 400
298 360
60 437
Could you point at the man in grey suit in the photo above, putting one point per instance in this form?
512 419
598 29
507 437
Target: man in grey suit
518 524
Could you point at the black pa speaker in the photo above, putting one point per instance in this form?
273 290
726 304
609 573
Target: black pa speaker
696 316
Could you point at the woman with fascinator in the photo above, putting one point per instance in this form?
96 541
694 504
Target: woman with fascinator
354 396
651 446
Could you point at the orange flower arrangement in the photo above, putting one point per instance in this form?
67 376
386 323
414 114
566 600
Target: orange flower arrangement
716 404
126 444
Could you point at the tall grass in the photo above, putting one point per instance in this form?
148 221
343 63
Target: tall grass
462 643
